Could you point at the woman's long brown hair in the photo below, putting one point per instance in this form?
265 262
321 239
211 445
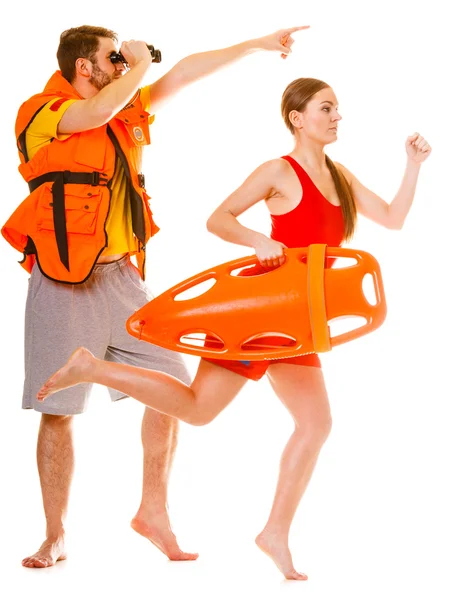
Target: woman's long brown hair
296 96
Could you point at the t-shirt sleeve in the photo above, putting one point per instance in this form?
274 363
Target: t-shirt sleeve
145 98
44 126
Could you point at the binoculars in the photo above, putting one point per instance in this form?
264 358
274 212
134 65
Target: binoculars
117 57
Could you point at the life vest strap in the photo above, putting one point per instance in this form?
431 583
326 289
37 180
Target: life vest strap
94 178
59 179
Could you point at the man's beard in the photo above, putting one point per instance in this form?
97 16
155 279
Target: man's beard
100 79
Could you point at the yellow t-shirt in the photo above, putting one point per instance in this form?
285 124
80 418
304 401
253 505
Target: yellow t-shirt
119 221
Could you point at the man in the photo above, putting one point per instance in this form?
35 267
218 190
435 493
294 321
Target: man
80 144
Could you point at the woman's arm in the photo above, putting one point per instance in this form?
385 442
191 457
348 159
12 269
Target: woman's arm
378 210
261 184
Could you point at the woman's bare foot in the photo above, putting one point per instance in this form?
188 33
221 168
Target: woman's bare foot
72 373
50 552
158 531
276 547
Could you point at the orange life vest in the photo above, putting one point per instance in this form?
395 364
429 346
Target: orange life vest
61 223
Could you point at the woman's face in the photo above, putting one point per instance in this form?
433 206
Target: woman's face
319 121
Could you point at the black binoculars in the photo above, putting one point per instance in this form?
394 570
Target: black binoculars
117 57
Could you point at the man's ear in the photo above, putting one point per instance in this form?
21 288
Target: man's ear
83 67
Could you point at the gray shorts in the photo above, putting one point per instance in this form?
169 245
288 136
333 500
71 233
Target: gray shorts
60 317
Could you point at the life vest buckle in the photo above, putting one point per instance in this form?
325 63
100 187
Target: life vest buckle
99 178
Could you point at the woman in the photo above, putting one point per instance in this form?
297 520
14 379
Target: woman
311 200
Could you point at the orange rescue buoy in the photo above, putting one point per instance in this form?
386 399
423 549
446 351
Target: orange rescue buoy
294 302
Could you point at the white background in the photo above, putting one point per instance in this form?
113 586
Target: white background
376 520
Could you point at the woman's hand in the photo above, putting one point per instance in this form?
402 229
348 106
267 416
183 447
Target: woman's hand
417 148
270 253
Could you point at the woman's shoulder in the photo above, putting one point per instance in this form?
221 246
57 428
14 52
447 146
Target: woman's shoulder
276 167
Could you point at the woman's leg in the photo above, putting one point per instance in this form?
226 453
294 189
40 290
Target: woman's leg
302 391
211 391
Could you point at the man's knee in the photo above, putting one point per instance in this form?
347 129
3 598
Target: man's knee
56 421
159 422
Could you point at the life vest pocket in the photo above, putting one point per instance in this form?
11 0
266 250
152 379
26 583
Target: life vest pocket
81 208
139 133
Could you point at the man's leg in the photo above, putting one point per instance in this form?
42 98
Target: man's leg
57 318
159 439
55 456
126 292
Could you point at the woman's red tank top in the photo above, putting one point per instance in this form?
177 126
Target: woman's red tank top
315 220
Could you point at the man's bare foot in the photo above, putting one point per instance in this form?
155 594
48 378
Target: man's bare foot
276 548
158 531
50 552
70 374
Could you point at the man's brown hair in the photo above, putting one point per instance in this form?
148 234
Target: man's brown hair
80 42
